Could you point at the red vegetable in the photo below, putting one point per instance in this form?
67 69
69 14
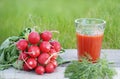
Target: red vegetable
45 46
22 44
34 37
39 52
31 63
34 51
54 62
46 35
54 53
56 45
25 67
49 68
40 70
43 58
22 56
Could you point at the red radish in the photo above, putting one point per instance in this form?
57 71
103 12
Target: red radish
34 51
49 68
40 70
45 46
43 58
25 67
22 44
31 63
34 37
54 62
23 56
56 45
46 35
52 51
54 55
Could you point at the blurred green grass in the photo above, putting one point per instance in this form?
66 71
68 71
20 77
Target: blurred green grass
59 15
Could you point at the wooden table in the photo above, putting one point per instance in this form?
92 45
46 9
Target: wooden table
70 54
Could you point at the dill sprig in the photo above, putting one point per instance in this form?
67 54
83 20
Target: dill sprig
89 70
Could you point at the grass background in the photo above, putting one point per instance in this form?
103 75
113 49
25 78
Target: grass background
60 15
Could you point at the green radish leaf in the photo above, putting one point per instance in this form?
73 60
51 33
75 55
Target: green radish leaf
5 44
6 66
14 51
8 52
62 50
2 57
18 64
25 33
27 30
12 59
59 60
14 39
8 42
7 56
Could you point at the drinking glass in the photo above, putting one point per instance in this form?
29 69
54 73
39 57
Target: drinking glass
89 33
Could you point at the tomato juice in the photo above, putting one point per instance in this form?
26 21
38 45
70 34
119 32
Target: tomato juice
90 45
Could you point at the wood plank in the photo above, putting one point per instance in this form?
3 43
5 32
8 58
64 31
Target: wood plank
70 54
111 55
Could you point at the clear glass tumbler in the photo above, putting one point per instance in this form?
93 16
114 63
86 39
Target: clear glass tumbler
89 33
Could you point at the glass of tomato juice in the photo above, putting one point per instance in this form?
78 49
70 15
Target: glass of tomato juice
89 32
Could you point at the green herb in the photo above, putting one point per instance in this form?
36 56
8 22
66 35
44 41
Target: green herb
59 60
89 70
8 52
25 32
62 50
18 64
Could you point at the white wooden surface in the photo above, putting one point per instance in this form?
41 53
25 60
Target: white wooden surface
70 54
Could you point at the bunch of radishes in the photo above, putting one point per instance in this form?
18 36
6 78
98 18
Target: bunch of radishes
39 52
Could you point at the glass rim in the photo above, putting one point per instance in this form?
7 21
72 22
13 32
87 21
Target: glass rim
95 19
